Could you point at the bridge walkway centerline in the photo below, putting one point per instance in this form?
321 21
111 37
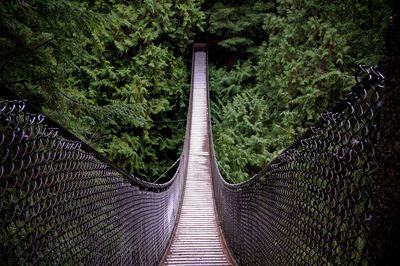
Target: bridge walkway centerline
197 239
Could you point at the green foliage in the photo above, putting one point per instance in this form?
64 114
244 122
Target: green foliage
244 137
311 52
36 44
105 70
299 63
108 69
141 64
236 26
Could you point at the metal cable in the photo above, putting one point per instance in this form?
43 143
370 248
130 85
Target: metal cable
166 171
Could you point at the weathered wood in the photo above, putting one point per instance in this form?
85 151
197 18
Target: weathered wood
197 239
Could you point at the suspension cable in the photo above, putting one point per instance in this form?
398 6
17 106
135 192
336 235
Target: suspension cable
226 172
163 174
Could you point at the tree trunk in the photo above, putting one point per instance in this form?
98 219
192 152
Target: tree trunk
385 233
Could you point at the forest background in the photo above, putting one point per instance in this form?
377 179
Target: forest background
116 73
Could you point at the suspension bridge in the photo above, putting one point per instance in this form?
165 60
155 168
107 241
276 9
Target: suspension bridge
63 203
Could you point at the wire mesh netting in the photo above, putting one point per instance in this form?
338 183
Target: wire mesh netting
62 205
312 204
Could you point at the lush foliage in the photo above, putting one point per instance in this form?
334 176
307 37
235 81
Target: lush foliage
36 44
139 78
303 65
113 71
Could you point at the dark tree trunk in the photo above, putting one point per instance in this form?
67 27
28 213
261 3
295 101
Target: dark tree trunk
385 244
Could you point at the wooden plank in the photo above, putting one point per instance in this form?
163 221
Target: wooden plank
197 239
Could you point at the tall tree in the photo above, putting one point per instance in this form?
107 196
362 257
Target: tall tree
37 42
112 71
139 82
305 64
384 241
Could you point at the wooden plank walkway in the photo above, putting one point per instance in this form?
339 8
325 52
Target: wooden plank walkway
197 239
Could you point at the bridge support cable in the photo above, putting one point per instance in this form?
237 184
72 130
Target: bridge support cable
313 204
62 203
197 239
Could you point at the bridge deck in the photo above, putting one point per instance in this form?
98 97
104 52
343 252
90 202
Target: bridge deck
197 239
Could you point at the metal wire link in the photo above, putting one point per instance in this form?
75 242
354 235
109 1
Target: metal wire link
60 205
312 204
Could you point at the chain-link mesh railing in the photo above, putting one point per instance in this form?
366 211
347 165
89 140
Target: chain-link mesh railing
311 205
61 203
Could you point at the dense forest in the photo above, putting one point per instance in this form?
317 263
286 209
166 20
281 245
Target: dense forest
285 62
116 72
113 72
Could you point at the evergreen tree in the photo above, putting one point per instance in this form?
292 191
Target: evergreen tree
109 71
139 79
303 65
